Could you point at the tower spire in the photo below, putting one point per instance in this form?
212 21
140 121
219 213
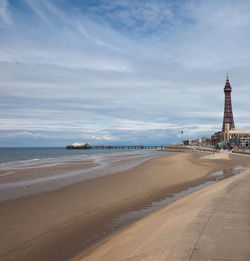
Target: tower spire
228 111
227 80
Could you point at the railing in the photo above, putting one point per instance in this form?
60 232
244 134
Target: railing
130 147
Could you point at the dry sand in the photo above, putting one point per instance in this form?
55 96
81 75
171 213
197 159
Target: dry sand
224 154
56 225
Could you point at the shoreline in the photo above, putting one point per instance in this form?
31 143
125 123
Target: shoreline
200 226
63 218
26 178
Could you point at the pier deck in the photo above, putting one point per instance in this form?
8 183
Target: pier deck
131 147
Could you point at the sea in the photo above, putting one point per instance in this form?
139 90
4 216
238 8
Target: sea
29 171
38 153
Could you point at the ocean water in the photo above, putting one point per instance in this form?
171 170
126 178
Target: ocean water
26 154
28 171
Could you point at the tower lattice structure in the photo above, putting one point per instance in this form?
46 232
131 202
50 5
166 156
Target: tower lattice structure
228 111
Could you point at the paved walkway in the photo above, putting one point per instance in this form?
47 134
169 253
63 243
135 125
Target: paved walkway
221 231
226 232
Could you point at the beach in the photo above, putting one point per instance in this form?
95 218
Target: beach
209 224
65 222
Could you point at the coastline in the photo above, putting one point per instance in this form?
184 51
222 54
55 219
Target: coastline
209 224
64 219
36 176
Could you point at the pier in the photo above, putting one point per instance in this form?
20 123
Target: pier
130 147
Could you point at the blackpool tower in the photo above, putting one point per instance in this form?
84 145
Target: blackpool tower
228 112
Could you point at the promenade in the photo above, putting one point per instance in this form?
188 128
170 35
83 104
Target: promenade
210 224
221 230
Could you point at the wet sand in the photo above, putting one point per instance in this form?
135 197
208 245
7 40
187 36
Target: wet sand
59 224
25 178
210 224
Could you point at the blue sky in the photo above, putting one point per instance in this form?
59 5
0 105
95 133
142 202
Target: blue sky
120 72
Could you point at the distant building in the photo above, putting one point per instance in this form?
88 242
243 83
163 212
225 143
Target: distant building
204 141
239 137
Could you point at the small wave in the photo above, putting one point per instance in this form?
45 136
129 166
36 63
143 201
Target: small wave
31 160
18 162
7 173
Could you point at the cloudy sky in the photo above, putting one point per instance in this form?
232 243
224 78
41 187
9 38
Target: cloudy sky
120 71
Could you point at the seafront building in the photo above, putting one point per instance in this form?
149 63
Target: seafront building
229 135
204 141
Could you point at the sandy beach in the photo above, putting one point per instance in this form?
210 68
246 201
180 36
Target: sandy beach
60 224
210 224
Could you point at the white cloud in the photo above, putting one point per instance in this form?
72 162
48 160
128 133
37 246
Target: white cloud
123 67
99 138
4 11
39 10
23 134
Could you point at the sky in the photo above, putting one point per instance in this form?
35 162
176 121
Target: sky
120 72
